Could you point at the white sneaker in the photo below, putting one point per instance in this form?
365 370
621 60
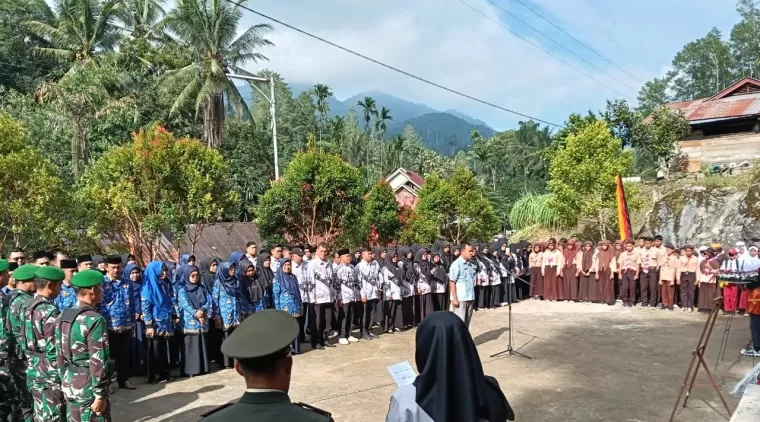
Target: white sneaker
343 340
351 339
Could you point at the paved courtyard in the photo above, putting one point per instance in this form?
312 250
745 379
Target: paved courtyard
590 363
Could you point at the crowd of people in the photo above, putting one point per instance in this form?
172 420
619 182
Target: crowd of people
168 315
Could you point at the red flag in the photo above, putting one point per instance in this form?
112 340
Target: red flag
624 219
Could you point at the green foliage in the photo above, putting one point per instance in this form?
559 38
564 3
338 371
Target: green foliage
583 175
156 183
653 94
33 193
533 210
444 133
454 209
380 214
318 197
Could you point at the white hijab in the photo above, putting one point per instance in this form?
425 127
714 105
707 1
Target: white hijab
751 263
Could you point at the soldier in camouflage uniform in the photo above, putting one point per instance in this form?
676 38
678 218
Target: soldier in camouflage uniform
7 389
42 376
83 355
18 299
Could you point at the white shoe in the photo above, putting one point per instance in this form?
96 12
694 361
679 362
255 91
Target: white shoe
343 340
351 339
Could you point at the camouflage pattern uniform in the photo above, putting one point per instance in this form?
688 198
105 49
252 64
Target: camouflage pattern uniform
7 387
83 359
17 352
42 375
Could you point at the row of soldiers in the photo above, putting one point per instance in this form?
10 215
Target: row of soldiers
52 364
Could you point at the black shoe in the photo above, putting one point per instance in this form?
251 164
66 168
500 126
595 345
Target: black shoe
329 345
319 347
126 386
366 336
152 381
373 335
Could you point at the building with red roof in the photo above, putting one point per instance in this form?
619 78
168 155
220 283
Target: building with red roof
725 128
406 185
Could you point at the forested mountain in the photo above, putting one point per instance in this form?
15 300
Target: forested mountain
442 132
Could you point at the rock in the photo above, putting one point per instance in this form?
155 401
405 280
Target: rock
701 215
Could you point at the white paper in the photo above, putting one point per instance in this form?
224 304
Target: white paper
402 373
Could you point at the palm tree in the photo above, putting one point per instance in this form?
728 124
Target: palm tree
369 109
84 29
141 17
322 92
381 124
207 28
337 126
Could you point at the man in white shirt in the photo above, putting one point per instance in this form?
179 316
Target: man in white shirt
368 271
276 253
350 292
324 295
250 252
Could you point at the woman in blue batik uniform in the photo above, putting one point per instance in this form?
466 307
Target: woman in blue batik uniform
195 306
287 296
133 275
160 316
231 307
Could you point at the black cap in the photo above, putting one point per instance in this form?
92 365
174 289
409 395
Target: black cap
261 334
670 246
84 258
296 251
113 260
39 254
342 252
68 263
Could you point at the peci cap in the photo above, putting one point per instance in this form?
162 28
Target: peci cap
4 265
25 272
87 278
261 334
342 252
84 258
50 273
68 264
669 246
296 251
39 254
113 260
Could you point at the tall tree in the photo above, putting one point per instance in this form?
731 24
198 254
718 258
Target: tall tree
208 28
141 17
83 29
744 39
322 93
653 94
703 68
380 216
381 125
369 110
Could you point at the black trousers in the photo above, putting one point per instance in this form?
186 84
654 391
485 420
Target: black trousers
346 318
754 325
119 344
158 357
390 308
302 321
323 313
368 315
648 282
227 361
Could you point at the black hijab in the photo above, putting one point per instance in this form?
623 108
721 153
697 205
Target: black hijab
195 292
423 264
439 270
483 256
408 267
355 259
446 257
264 275
391 266
451 386
231 284
207 277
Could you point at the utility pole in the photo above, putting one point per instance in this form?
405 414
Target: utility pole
272 111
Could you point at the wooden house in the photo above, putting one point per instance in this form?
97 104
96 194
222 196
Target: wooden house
406 185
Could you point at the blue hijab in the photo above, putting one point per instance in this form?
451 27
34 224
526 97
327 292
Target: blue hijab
236 257
127 270
152 290
195 292
231 285
178 278
287 281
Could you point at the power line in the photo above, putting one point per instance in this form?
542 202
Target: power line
395 69
538 46
560 44
577 40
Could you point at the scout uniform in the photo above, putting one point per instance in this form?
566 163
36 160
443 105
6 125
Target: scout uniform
688 267
628 263
648 276
264 334
83 355
18 357
42 375
668 276
7 388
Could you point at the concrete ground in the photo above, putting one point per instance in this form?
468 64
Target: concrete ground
590 363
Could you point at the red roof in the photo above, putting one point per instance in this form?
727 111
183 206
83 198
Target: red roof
738 100
416 178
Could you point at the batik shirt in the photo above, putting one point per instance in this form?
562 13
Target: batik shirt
40 319
164 327
369 275
391 285
321 275
407 286
285 301
350 287
67 298
14 323
84 378
305 285
188 322
116 307
231 307
423 280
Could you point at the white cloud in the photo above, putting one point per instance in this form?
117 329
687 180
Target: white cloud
448 43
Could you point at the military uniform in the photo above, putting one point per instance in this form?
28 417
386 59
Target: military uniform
42 375
18 300
7 388
83 355
265 334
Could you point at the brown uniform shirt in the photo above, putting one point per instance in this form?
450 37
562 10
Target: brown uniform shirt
688 265
629 261
536 259
669 268
649 258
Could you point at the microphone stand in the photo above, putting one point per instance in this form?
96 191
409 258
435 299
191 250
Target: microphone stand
510 351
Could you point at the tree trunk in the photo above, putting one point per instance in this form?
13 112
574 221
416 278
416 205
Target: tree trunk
213 118
78 150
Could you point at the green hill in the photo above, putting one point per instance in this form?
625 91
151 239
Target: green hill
442 132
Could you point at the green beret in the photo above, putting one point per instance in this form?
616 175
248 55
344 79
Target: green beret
25 272
4 265
261 334
87 278
50 273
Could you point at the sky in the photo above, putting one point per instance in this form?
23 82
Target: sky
449 43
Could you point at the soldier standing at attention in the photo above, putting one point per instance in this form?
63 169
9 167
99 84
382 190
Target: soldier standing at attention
7 389
261 349
25 287
82 346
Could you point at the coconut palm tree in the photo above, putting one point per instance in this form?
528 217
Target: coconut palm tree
322 93
142 16
207 28
381 125
83 29
369 109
